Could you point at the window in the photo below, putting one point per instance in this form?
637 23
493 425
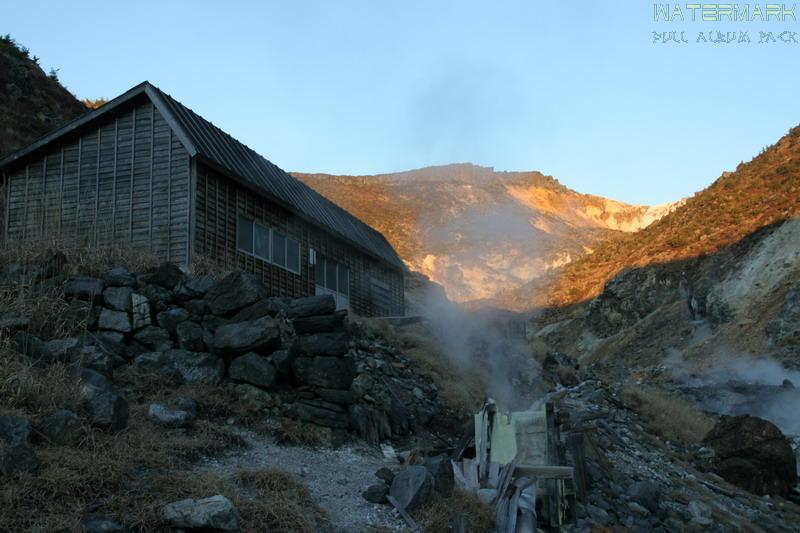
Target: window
332 278
244 239
267 244
261 244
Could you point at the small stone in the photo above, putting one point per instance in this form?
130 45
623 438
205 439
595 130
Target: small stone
216 513
175 414
190 336
376 493
385 474
100 524
171 318
701 513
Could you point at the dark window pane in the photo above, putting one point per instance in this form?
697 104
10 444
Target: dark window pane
330 274
279 249
245 234
319 271
293 255
262 242
344 280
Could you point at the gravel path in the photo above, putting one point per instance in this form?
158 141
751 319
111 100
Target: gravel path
335 477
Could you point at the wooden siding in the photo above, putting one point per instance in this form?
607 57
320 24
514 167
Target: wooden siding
218 202
125 181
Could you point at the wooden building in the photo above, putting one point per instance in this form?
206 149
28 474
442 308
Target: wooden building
145 171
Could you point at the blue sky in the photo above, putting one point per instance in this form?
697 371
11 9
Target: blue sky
573 89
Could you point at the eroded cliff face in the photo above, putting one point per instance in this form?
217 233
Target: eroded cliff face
476 231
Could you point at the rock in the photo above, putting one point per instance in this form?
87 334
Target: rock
311 306
154 338
96 359
442 471
197 309
140 311
94 379
283 359
385 474
322 344
198 366
369 423
15 430
319 324
752 453
646 493
193 288
170 318
30 346
178 413
211 322
115 321
61 350
254 369
300 368
17 458
262 335
252 393
331 372
159 298
638 509
100 524
119 277
107 409
158 363
216 513
597 515
84 288
319 412
265 307
362 385
190 336
118 298
412 487
62 427
168 275
338 396
233 292
112 342
376 493
785 327
701 513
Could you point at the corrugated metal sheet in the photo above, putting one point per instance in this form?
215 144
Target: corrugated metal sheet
201 138
217 146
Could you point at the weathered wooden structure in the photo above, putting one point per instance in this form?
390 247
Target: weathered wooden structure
145 171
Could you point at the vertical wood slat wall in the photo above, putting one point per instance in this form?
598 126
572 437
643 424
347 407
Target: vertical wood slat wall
126 181
218 202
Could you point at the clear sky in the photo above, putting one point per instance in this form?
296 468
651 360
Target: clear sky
574 89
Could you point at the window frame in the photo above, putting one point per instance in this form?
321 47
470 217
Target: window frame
271 233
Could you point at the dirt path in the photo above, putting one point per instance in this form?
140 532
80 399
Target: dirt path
335 477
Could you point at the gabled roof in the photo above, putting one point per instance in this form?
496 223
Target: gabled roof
218 149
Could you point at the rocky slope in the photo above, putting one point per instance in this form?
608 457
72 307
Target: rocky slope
32 103
476 231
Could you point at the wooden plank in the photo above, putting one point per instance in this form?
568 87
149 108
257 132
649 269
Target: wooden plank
407 517
546 472
511 522
471 473
575 443
501 512
505 478
484 436
494 474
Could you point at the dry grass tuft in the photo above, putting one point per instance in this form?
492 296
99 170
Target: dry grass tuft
669 415
438 516
291 432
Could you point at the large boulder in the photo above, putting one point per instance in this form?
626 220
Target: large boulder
170 318
84 288
115 321
311 306
254 369
331 372
265 307
412 487
233 292
118 298
119 277
320 323
167 275
193 288
216 513
198 366
261 335
323 344
752 453
154 338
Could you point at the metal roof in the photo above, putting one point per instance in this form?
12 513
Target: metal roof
204 140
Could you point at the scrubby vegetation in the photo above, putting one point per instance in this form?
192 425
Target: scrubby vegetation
668 415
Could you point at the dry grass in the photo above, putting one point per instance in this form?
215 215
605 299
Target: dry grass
438 516
291 432
670 416
461 386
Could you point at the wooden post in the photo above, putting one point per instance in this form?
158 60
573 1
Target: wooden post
552 460
576 449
